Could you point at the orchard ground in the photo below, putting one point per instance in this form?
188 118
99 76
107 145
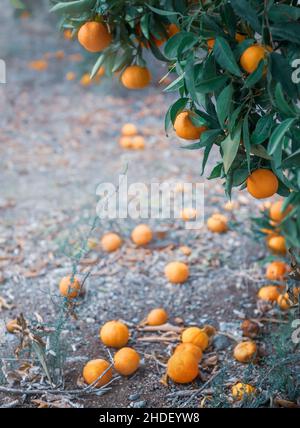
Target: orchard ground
58 141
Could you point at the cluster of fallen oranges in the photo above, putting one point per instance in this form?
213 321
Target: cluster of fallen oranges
183 364
277 271
130 138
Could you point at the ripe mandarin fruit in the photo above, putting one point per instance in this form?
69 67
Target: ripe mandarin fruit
96 368
111 242
12 326
217 223
277 244
136 77
262 183
138 142
114 334
126 142
68 34
191 348
245 352
157 317
196 336
69 287
238 37
284 302
239 390
276 271
182 367
268 293
188 214
129 130
172 29
142 235
276 213
94 36
177 272
85 80
185 128
126 361
252 56
70 76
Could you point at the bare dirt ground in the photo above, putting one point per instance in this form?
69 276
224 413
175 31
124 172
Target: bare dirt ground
59 140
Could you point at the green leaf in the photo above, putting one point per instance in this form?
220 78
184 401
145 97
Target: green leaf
284 12
97 65
246 140
176 84
283 106
282 72
216 172
261 152
224 101
256 76
290 32
211 85
278 134
162 12
173 111
71 7
230 148
225 57
262 130
245 11
292 160
182 42
208 139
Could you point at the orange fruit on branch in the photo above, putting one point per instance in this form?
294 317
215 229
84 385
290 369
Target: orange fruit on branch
157 317
277 244
196 336
172 29
284 302
142 235
69 287
245 352
95 369
177 272
276 213
111 242
262 183
114 334
136 77
94 36
182 367
185 128
276 271
126 361
268 293
238 37
191 348
252 56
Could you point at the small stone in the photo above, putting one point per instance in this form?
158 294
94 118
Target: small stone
139 404
221 342
134 397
